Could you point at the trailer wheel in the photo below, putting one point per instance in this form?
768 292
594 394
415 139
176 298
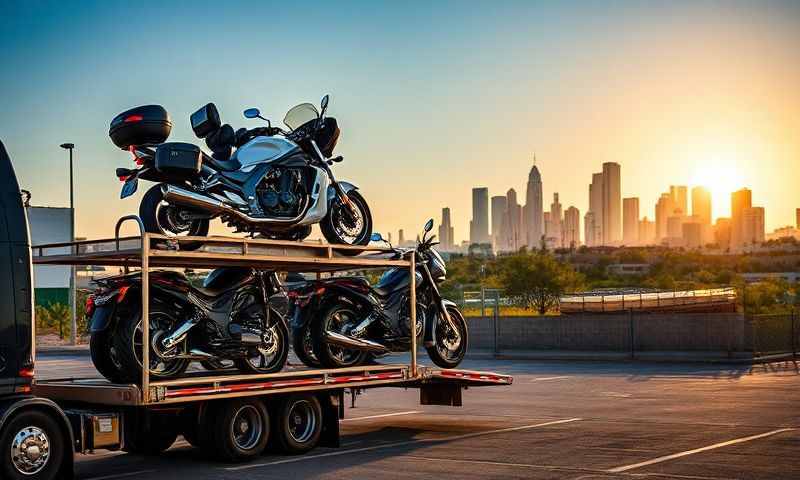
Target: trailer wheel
239 429
33 442
158 438
298 423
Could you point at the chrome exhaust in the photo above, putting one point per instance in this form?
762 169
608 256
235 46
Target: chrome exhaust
354 343
186 198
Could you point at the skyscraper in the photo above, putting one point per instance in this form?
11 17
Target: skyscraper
594 222
753 226
630 221
499 205
741 200
479 226
665 207
572 228
647 232
513 223
554 229
589 229
612 203
446 233
679 199
534 208
701 205
722 233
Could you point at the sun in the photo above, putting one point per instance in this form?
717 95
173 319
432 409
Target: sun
721 177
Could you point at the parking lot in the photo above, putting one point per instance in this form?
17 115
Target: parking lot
570 420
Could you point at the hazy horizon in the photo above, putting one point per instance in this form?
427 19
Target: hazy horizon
433 100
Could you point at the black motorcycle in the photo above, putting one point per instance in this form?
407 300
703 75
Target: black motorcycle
345 321
232 316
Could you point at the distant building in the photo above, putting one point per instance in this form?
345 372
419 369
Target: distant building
534 208
665 207
628 268
511 229
50 225
554 228
572 228
797 220
479 226
679 198
499 206
589 230
630 221
400 238
701 205
675 230
741 201
692 234
647 232
722 233
753 226
612 203
446 233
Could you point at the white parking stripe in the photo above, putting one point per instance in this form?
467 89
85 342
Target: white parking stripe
410 412
544 379
625 468
401 444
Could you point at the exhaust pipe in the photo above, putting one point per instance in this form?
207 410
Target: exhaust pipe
354 343
186 198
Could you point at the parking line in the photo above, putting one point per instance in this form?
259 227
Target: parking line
665 458
409 412
544 379
402 444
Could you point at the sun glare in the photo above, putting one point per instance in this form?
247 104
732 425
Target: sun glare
721 178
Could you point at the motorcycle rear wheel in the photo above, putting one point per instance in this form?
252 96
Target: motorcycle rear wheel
331 356
127 341
303 347
271 361
161 217
337 229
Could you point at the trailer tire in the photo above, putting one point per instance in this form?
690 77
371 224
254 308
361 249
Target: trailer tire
31 433
298 423
154 440
239 430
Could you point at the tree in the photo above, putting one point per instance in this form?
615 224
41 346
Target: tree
537 279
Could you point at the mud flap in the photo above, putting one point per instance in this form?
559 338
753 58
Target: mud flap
332 410
447 394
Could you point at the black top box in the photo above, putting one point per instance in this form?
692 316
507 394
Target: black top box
146 125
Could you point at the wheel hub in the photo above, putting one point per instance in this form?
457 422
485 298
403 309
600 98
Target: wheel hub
30 450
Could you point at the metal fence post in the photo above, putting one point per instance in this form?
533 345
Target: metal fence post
632 334
483 303
496 322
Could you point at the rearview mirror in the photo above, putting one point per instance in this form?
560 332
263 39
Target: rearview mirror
252 113
324 103
429 226
376 237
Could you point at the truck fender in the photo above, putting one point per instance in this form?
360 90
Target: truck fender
430 321
9 407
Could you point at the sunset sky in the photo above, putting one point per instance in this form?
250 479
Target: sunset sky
432 99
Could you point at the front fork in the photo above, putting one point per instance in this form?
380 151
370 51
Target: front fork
350 208
437 297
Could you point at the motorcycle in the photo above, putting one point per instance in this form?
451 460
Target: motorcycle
232 317
264 181
345 321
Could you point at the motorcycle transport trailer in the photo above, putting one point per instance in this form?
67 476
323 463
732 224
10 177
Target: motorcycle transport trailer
296 409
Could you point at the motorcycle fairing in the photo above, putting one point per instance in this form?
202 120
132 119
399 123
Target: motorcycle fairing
261 150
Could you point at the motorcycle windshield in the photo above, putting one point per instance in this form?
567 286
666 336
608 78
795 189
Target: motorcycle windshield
301 114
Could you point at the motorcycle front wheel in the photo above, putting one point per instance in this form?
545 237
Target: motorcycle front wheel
449 344
338 227
161 217
303 346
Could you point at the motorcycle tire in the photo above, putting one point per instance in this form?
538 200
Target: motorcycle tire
439 353
329 229
151 213
279 360
300 348
100 349
330 356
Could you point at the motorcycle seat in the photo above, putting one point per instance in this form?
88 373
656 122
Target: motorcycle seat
222 165
223 280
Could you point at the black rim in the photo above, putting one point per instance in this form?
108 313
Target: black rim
175 221
341 320
265 356
449 341
302 421
160 363
350 227
247 427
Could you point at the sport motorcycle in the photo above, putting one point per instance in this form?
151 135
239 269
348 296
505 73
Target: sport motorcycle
346 321
232 316
263 181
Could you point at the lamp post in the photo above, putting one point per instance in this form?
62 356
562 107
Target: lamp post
74 324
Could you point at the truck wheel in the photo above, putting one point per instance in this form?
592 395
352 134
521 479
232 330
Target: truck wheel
298 423
34 443
158 438
240 430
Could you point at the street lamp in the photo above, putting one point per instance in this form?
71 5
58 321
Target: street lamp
74 324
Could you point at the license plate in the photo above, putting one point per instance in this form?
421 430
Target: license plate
130 186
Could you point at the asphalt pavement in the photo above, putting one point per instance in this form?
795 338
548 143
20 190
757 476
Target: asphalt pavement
560 420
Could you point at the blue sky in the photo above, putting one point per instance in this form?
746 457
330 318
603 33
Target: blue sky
432 98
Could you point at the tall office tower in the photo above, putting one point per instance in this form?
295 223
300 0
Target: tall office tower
548 231
630 221
513 223
555 221
588 229
741 200
479 226
692 234
596 209
499 205
753 226
674 230
678 194
665 207
446 233
534 209
722 233
701 205
400 239
647 232
612 203
571 230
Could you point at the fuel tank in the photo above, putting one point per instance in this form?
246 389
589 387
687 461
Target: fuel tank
263 149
